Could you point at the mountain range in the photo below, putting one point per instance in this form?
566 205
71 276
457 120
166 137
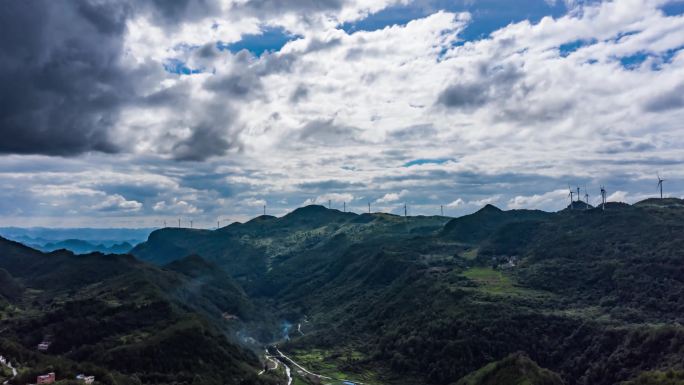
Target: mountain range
581 296
78 240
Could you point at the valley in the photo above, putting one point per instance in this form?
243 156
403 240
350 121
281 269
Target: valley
341 192
325 297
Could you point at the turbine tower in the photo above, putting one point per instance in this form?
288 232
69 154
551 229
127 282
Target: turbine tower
441 209
603 198
369 208
571 195
405 211
330 203
179 223
344 207
660 185
579 197
264 209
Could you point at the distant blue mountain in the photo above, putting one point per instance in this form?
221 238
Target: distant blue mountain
78 240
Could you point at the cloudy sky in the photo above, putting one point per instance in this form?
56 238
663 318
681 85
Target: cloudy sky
128 113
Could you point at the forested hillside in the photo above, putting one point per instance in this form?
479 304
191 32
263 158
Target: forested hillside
124 321
582 296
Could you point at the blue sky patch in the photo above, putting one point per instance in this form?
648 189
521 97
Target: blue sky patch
270 39
395 15
487 15
568 48
179 67
417 162
634 61
668 55
622 35
673 8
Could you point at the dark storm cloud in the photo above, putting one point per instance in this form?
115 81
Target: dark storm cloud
464 96
62 85
204 142
174 95
245 80
213 135
669 100
321 45
209 181
274 63
169 13
491 83
107 18
235 85
64 80
327 132
207 51
275 7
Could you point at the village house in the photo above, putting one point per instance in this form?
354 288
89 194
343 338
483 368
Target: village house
46 378
509 262
44 346
86 379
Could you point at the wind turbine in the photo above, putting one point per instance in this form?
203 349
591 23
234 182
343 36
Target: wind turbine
660 185
571 195
603 198
579 197
586 197
441 209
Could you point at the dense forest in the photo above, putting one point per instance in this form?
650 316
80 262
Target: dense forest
583 296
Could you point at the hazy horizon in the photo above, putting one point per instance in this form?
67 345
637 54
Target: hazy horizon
129 113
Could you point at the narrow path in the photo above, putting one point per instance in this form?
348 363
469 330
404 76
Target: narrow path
289 374
301 367
314 374
269 358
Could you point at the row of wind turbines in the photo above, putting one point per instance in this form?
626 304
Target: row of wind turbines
572 193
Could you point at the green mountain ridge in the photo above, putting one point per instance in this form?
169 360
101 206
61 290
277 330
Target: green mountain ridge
123 320
594 296
516 369
247 251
